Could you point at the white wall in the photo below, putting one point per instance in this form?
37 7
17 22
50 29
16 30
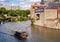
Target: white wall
50 18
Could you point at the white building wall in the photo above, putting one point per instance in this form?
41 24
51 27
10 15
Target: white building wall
41 20
10 7
51 18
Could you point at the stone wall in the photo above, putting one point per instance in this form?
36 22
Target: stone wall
58 21
41 20
51 18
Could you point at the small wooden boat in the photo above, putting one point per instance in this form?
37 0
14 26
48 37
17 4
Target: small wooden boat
21 34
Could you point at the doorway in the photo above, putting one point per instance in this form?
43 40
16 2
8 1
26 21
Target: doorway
37 16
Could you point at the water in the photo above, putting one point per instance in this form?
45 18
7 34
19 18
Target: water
35 33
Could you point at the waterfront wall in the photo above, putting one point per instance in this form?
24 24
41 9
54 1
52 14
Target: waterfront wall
49 18
41 21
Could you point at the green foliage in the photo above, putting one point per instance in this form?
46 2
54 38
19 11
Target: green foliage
9 12
27 12
13 13
32 20
16 19
25 18
2 10
20 19
17 12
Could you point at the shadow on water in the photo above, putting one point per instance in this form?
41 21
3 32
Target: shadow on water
35 33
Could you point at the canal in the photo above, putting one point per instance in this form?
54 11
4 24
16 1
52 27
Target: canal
35 33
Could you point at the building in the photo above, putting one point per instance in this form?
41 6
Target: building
9 7
57 0
46 16
12 7
47 1
2 5
52 4
37 12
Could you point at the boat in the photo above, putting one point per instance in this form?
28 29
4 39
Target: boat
20 34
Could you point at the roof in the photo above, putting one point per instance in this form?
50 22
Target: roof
53 5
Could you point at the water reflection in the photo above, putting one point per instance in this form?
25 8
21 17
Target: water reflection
45 35
35 33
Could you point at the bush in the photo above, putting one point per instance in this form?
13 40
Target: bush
20 19
25 18
16 19
32 20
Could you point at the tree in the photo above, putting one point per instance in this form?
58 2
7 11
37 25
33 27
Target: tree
12 13
2 10
24 12
18 12
27 11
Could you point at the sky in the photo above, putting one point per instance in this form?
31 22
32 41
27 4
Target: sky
24 4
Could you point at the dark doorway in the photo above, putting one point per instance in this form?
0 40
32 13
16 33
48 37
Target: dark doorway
38 16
